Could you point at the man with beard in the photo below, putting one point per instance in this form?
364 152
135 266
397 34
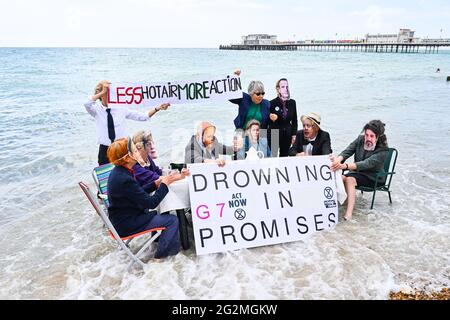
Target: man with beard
370 150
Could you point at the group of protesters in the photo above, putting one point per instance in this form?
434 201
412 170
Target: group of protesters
137 185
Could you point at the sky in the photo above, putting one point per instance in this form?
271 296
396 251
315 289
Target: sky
209 23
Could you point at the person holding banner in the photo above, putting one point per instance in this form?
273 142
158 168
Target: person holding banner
312 140
252 105
253 140
369 150
130 203
283 116
203 147
110 121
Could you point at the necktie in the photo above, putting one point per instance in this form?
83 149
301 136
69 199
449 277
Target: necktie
111 131
283 105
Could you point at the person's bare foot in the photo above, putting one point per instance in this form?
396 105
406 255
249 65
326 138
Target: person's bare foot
347 217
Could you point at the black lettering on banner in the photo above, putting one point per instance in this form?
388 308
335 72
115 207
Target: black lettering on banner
298 174
305 226
224 180
289 201
144 92
198 90
235 179
205 88
262 174
204 237
254 230
285 177
265 229
183 88
152 95
164 94
217 87
318 222
224 85
308 172
267 202
227 234
332 215
328 173
194 180
286 225
158 88
192 91
173 90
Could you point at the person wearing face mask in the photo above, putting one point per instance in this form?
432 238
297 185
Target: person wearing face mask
283 116
369 150
130 204
148 172
203 147
311 140
110 121
253 140
252 105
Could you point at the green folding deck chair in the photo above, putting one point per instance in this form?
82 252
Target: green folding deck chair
100 175
388 172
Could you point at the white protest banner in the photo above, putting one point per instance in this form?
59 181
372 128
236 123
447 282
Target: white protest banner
150 94
255 203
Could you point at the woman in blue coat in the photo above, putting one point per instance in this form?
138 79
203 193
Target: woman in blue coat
252 105
130 203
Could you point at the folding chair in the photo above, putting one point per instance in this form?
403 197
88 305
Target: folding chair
388 172
100 175
122 241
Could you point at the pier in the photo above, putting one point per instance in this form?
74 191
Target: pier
344 47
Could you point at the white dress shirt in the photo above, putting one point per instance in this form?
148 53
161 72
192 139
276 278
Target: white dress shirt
308 148
119 114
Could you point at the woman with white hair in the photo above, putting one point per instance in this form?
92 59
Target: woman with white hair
252 105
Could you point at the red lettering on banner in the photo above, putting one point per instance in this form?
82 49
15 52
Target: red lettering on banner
138 94
129 92
119 94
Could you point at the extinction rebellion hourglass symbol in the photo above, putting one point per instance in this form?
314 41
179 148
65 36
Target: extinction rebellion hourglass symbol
239 214
328 192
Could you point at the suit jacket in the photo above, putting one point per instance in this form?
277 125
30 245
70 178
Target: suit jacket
290 122
195 153
129 202
321 146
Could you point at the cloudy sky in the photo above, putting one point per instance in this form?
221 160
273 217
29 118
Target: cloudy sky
209 23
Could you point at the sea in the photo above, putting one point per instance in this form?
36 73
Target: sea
53 246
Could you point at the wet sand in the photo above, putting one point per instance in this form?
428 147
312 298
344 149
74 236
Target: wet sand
444 294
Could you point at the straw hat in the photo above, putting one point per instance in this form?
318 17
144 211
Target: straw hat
314 117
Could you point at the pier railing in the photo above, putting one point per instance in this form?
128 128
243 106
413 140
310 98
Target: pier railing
351 47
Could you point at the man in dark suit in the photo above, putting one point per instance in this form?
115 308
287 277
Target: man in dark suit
312 140
283 116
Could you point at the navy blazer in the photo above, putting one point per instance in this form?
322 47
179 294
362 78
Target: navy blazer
244 104
129 202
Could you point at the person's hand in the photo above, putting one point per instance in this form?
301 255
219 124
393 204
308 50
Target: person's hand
105 85
220 162
336 165
300 154
292 140
273 117
237 72
158 182
167 180
238 143
164 106
185 172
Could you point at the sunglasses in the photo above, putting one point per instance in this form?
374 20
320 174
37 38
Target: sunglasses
260 93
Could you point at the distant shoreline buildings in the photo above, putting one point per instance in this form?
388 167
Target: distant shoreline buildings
404 36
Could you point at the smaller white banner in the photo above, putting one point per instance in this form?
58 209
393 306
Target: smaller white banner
149 94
